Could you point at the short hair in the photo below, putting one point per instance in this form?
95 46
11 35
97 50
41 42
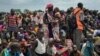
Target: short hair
12 10
40 32
80 5
34 13
56 10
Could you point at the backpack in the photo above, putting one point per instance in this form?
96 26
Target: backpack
72 21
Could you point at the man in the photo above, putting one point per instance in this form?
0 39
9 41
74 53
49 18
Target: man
48 17
15 48
75 51
39 47
77 35
88 47
12 23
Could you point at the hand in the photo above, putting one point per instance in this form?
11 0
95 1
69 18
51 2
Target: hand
65 47
27 44
70 48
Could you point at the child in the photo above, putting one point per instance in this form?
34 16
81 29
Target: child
51 49
65 48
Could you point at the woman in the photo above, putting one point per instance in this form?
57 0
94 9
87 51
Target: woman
51 48
65 48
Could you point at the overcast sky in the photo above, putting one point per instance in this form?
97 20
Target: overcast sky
6 5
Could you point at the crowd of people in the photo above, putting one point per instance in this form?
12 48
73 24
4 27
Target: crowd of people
52 32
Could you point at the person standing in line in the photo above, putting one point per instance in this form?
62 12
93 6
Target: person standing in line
77 35
48 17
12 23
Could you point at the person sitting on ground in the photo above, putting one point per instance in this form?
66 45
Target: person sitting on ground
65 48
51 48
5 50
75 51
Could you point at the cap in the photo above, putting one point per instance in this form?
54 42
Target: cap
49 5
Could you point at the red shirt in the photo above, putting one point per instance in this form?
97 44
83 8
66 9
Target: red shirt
63 54
12 20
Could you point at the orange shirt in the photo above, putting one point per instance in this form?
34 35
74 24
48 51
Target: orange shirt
79 24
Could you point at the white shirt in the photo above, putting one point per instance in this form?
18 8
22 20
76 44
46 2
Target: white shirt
56 32
35 20
54 50
95 32
41 47
40 21
21 54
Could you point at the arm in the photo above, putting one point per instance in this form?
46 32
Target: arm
62 50
94 34
16 20
6 21
82 18
80 54
34 45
